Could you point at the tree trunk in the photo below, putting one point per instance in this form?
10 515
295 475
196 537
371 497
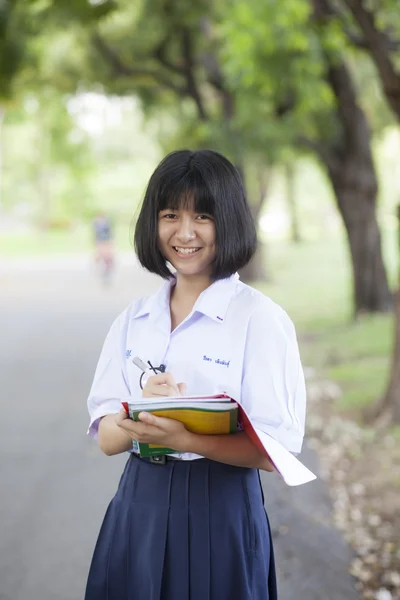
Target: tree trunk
387 409
2 113
291 201
43 172
257 269
391 400
356 197
393 393
348 159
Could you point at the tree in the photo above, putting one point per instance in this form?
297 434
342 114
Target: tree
293 59
21 25
392 397
48 160
11 60
380 30
169 54
377 28
26 26
290 178
387 408
12 50
184 59
292 86
351 169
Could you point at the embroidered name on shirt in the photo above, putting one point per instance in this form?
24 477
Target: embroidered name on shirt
217 361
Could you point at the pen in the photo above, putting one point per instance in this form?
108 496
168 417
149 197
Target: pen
148 370
142 365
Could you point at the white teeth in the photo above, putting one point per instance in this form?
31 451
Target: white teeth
186 250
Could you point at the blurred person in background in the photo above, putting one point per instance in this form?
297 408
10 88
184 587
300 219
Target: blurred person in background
104 246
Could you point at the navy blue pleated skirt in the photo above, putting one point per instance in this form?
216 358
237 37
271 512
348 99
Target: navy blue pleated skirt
186 530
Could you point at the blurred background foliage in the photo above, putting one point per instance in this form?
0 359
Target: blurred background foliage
303 96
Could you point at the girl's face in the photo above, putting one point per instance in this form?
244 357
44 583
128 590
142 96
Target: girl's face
187 240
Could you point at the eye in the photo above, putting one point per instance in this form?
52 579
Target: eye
168 216
204 217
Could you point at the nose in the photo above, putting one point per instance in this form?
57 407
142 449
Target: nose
186 231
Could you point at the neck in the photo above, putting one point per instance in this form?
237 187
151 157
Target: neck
190 288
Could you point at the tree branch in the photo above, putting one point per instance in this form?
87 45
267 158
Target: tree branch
160 54
361 42
355 38
264 178
189 72
352 117
379 46
322 150
120 69
214 72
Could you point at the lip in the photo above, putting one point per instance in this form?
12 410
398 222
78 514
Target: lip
190 254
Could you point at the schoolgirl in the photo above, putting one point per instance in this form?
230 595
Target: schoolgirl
194 527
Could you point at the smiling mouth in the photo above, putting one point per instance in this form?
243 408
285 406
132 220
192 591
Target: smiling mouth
185 251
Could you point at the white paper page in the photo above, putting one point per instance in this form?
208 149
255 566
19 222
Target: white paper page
182 403
167 399
292 470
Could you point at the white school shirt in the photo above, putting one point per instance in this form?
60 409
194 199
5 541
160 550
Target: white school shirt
235 340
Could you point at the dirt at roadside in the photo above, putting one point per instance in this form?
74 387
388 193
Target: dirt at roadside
362 467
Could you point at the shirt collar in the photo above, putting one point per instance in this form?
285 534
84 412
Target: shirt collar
213 302
157 302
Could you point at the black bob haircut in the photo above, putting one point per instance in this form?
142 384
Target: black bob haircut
208 182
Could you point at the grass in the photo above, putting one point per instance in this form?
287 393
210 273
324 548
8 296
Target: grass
46 243
312 282
362 380
37 243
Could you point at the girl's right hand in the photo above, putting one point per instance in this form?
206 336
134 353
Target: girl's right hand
163 384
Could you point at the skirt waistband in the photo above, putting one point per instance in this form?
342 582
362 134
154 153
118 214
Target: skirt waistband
162 459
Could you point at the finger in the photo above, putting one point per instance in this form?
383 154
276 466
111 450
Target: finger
124 421
162 379
124 424
153 421
136 428
121 416
159 390
182 387
148 418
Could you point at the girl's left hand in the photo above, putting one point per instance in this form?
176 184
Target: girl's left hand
155 430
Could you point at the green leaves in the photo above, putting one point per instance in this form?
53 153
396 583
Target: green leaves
248 78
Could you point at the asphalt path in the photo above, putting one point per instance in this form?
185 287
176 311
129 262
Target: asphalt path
56 484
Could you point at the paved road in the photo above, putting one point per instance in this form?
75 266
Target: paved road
55 483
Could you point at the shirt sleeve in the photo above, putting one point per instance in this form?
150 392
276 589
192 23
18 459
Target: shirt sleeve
109 384
273 387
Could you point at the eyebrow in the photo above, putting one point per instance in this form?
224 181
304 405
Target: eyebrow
194 211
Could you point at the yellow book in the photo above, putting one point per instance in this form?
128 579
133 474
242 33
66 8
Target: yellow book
209 415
